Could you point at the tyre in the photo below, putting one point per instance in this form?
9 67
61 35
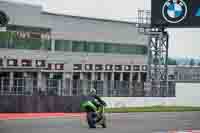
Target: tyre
104 122
91 120
104 125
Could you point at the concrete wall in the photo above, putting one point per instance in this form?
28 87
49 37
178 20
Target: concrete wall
40 104
187 94
138 101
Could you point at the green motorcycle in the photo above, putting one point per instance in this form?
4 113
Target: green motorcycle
95 113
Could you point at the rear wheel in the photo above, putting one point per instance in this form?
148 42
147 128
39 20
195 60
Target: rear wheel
104 121
91 120
104 124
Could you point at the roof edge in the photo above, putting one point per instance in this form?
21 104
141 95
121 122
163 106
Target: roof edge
22 3
89 18
65 15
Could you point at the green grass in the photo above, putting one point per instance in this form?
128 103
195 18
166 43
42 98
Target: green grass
152 109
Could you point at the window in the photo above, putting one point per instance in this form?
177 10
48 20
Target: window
98 47
88 67
140 50
26 62
118 67
117 48
46 44
89 47
127 67
12 62
34 44
108 67
26 37
27 29
136 67
98 67
23 40
77 67
145 50
40 63
59 66
4 39
132 49
111 48
107 48
127 49
1 62
78 46
144 68
12 40
63 45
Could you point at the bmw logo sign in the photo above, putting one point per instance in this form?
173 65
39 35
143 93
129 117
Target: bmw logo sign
174 11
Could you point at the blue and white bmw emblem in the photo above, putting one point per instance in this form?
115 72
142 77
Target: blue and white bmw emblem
174 11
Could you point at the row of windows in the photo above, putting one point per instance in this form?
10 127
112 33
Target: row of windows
10 40
98 47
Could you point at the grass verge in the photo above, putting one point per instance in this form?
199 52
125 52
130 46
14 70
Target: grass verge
152 109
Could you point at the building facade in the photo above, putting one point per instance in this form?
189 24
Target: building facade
67 55
184 73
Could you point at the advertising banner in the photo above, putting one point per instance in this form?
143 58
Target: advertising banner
175 13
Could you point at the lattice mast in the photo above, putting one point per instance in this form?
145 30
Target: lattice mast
157 53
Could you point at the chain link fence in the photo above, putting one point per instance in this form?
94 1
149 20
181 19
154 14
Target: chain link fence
55 87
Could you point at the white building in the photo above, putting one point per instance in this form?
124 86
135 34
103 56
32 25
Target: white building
42 45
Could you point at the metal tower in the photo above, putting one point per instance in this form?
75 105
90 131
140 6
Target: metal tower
157 76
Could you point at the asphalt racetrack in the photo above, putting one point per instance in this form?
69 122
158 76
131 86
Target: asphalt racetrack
117 123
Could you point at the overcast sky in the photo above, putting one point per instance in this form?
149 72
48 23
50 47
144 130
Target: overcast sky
183 42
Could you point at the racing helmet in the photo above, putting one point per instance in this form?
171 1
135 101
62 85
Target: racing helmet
93 91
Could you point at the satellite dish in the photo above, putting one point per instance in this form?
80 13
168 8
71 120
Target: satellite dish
4 19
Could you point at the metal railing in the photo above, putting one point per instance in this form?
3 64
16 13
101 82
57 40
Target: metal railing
55 87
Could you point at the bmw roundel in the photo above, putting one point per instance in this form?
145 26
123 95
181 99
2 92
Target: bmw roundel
174 11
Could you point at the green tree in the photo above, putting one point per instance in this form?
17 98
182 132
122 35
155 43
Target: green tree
172 61
192 62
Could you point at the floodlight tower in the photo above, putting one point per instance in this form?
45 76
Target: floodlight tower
157 76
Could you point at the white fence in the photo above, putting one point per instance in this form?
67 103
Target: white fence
187 94
115 102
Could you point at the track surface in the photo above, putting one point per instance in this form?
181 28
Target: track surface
117 123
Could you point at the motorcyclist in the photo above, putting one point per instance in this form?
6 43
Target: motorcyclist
94 95
97 101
